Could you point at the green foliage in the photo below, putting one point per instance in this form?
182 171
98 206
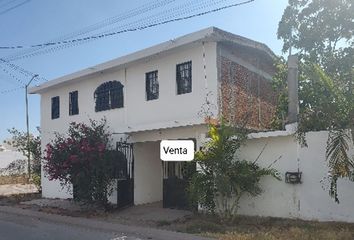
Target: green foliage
15 168
340 163
82 158
323 32
36 180
223 179
19 142
279 85
317 26
324 105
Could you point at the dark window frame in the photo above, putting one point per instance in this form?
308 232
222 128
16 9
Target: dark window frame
109 95
184 77
152 85
73 103
55 110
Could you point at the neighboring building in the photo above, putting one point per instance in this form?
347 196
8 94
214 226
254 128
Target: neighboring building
8 155
161 93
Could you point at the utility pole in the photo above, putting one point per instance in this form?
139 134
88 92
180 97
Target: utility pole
27 124
293 89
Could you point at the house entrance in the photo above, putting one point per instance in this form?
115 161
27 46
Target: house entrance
125 175
176 176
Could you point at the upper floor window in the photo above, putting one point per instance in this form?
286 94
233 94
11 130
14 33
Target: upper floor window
184 77
109 95
55 107
73 103
152 85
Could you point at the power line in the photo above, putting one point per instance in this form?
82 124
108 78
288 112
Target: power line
20 70
179 10
11 90
154 21
16 67
5 4
14 7
13 76
27 53
109 21
128 30
4 78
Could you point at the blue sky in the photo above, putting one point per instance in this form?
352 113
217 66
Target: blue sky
39 21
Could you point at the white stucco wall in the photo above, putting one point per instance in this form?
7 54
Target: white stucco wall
307 200
137 113
188 132
147 173
148 179
169 111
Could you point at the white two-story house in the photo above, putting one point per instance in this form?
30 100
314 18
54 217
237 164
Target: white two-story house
162 92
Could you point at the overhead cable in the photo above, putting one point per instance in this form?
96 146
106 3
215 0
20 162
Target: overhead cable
127 30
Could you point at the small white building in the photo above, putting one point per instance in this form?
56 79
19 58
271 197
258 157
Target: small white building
162 92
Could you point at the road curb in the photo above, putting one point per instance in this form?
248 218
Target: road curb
147 233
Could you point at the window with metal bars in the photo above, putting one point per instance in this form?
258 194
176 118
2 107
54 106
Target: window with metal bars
109 95
184 77
55 107
73 103
152 85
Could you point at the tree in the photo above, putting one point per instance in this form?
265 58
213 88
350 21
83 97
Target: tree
19 141
223 178
82 159
323 33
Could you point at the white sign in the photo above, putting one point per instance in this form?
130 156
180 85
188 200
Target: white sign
177 150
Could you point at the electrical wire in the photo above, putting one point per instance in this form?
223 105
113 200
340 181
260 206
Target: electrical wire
130 29
10 90
155 20
8 3
14 7
21 70
104 23
18 69
13 76
179 10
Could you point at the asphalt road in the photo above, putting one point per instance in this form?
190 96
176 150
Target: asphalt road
16 227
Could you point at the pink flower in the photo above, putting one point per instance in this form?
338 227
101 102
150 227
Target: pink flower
101 147
62 146
73 158
66 164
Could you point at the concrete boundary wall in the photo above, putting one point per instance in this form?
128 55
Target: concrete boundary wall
310 199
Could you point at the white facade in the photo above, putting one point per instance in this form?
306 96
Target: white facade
310 199
142 122
172 116
137 115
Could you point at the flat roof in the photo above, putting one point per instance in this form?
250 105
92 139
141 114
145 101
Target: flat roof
211 34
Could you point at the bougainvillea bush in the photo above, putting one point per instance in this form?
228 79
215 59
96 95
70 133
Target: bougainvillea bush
82 159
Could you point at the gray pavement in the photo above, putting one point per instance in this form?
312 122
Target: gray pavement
13 227
16 223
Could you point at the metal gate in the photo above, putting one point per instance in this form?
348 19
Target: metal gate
125 176
176 178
